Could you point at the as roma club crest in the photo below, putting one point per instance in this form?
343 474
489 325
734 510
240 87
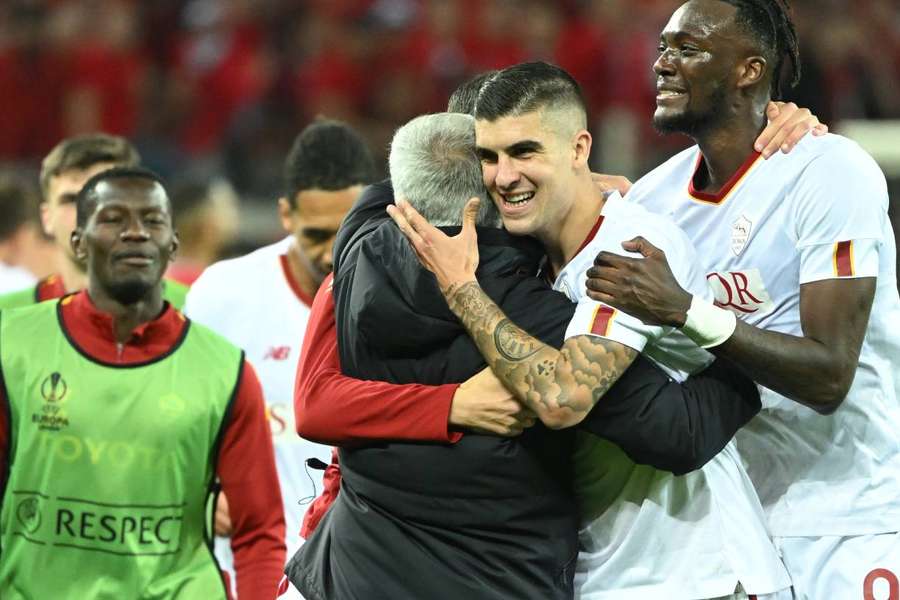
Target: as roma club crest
740 233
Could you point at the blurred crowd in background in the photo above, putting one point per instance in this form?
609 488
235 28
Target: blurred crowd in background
220 87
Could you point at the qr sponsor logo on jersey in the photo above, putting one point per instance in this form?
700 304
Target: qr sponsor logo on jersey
741 292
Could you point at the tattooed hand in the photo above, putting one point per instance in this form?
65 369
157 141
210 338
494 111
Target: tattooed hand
453 260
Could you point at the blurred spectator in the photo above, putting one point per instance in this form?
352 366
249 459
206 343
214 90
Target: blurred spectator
221 84
24 253
221 67
107 70
32 78
206 218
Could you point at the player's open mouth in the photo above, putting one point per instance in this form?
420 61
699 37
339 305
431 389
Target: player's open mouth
667 95
517 200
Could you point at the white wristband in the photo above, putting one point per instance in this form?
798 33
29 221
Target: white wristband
707 324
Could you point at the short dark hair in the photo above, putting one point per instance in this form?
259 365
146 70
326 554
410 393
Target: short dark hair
86 201
84 151
18 204
328 155
462 100
527 87
769 22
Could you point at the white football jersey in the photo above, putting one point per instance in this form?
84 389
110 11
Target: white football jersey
647 533
251 301
817 213
13 279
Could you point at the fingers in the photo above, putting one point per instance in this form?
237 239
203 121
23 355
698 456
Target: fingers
609 259
776 132
788 124
470 214
607 184
802 123
419 223
405 226
600 285
775 118
603 281
640 246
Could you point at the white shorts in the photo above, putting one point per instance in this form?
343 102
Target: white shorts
864 567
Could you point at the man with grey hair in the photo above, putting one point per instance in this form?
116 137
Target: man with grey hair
432 520
476 516
434 166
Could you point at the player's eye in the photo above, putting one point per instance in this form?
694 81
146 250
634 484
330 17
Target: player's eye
317 236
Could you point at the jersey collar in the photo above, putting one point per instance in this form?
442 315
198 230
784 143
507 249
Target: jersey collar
49 288
91 330
733 181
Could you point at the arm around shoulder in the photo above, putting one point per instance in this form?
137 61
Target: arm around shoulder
336 409
673 426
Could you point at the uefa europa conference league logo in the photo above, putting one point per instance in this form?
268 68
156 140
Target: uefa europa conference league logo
52 417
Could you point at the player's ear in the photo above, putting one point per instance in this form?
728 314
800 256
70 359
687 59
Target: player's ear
46 225
173 247
286 214
752 71
76 241
582 148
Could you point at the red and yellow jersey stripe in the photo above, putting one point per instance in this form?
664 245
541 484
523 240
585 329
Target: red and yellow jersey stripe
843 259
603 318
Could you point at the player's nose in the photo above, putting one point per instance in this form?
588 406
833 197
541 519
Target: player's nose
507 173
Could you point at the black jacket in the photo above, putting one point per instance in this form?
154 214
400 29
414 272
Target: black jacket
487 517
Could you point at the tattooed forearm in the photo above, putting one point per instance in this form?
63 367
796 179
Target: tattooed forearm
561 386
512 343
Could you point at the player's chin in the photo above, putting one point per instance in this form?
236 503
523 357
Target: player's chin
517 226
667 120
129 290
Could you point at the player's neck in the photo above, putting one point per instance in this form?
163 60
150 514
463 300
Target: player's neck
74 279
564 244
301 271
9 254
127 317
725 149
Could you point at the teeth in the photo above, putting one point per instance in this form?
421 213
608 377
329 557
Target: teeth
668 93
517 198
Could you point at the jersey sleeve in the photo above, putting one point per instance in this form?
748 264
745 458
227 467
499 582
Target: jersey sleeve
596 318
246 468
839 215
332 408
